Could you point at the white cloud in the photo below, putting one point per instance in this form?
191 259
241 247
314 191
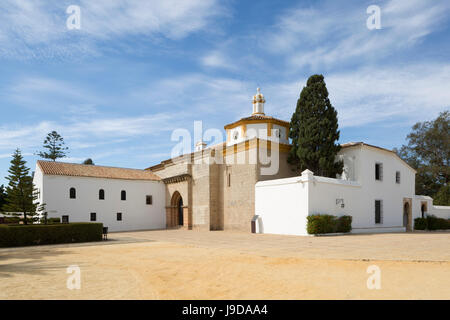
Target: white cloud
37 29
217 59
374 95
330 35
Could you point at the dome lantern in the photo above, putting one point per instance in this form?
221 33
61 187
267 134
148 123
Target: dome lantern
258 103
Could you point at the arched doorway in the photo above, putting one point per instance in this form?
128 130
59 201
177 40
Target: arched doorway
180 212
405 214
177 213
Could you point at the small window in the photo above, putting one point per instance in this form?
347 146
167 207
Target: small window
119 216
73 193
101 194
149 200
229 180
378 211
65 219
123 195
379 171
93 216
397 177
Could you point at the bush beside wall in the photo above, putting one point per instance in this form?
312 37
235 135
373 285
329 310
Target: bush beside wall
420 223
21 235
431 223
325 223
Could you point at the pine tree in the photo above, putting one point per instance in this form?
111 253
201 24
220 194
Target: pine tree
2 196
314 131
20 193
54 144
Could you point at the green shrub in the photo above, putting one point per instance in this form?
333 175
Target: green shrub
344 224
51 220
12 220
420 223
21 235
431 223
435 223
325 223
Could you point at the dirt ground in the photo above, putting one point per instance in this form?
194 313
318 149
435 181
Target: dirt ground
181 264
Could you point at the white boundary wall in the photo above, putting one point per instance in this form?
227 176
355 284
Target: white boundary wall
438 211
284 204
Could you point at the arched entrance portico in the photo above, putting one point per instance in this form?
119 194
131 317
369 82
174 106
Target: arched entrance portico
177 214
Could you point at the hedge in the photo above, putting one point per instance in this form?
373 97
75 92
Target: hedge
325 223
431 223
420 223
27 235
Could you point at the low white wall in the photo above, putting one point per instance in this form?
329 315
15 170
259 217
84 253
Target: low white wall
441 211
282 206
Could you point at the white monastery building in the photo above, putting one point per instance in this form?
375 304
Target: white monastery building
226 186
122 199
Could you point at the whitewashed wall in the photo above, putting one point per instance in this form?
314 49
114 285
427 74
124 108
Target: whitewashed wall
284 204
136 214
441 211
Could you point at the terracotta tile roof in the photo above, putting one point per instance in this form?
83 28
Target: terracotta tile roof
93 171
258 117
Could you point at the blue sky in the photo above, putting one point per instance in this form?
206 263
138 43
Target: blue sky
137 70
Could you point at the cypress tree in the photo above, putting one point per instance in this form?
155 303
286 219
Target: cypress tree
314 131
20 194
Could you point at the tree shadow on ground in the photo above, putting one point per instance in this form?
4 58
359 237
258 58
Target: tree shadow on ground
31 257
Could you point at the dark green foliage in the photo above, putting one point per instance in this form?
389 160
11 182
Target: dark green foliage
21 235
325 223
12 220
20 192
54 145
428 151
344 224
2 196
88 161
431 223
314 131
435 223
442 197
54 220
420 223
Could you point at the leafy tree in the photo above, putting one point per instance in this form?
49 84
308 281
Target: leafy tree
20 193
442 197
89 161
55 147
428 151
314 131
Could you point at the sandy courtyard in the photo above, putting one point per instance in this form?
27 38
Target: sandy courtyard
225 265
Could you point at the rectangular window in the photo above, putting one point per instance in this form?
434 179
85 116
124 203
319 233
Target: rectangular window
378 211
149 200
397 177
229 180
379 171
93 216
65 219
119 216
